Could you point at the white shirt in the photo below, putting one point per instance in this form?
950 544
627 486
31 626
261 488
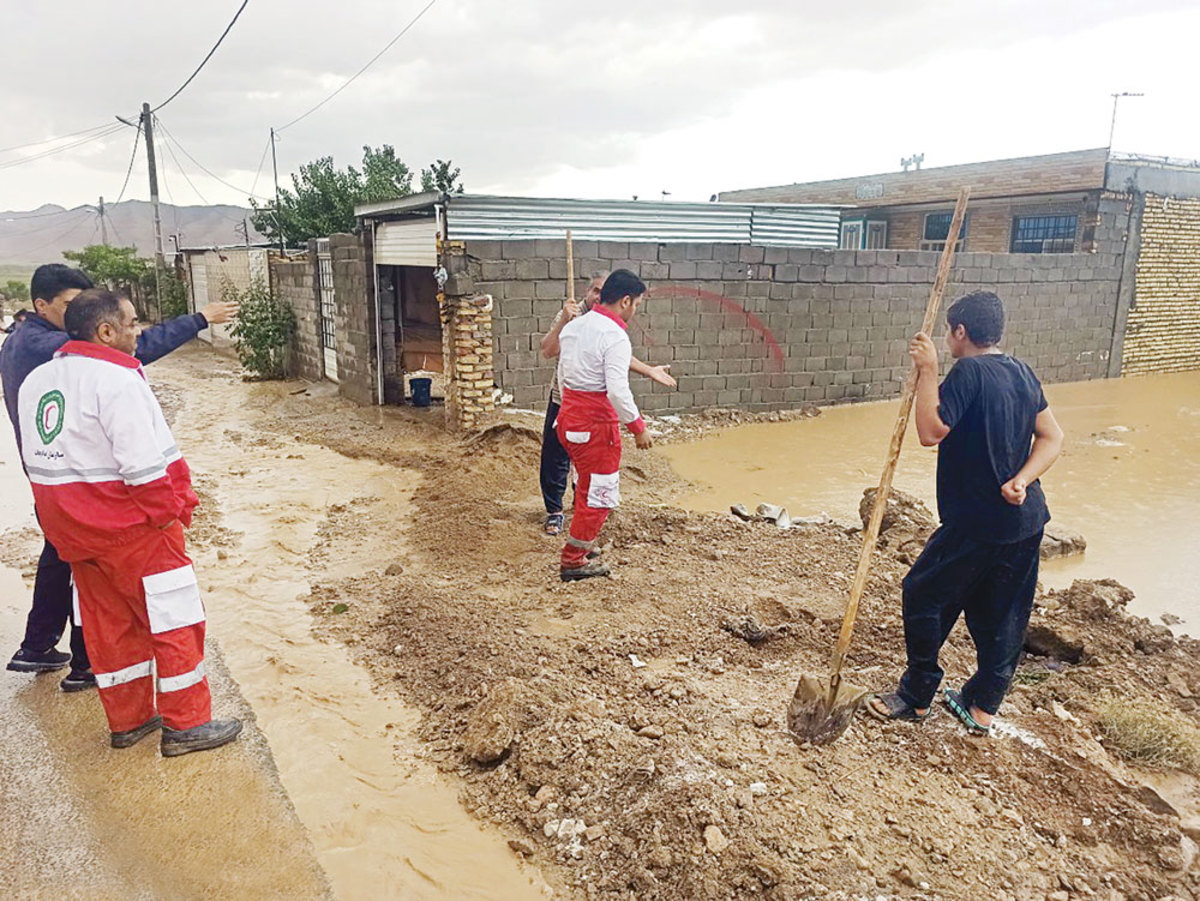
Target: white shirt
594 355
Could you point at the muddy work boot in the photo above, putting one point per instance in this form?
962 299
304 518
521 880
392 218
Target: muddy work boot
38 661
588 570
78 680
208 735
131 737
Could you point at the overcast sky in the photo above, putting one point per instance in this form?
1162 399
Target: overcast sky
564 98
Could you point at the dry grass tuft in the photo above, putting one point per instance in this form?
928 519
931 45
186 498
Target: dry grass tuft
1148 733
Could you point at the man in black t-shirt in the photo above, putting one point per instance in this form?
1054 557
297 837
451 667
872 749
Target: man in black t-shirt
995 436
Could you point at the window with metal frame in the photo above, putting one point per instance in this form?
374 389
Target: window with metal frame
1044 234
852 236
937 229
328 307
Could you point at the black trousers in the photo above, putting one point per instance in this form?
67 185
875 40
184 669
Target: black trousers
993 586
52 596
556 465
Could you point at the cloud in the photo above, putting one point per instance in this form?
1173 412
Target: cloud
566 97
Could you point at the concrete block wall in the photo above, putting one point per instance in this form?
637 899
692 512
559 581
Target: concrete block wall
768 328
221 268
295 283
354 295
1163 329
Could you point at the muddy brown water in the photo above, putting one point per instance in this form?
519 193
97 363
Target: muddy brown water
327 793
1128 480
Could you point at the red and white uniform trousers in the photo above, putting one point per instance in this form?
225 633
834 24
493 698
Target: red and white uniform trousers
587 427
143 622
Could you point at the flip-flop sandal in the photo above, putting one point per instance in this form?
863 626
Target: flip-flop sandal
554 524
961 710
898 709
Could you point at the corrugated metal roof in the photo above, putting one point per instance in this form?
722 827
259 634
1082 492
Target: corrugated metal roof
594 220
779 226
476 217
400 205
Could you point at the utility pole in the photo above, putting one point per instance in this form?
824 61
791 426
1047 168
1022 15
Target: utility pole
148 127
1112 128
275 170
103 225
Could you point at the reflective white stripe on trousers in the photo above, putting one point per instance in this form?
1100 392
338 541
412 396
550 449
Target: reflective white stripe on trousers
121 676
179 683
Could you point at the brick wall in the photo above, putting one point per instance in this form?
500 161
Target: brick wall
765 328
354 295
1082 170
989 229
295 283
1163 330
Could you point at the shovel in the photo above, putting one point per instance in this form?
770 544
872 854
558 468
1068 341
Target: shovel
821 709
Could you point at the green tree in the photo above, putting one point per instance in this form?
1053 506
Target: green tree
121 269
440 177
322 198
115 267
16 290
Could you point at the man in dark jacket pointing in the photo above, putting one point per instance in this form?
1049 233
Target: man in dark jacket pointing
53 287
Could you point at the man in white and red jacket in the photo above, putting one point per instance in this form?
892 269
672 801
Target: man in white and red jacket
593 370
114 495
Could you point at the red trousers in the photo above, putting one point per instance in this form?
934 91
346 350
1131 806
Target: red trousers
143 622
587 427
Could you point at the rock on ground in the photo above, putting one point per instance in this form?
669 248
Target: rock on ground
492 725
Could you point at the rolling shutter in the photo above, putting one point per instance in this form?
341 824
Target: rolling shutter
412 243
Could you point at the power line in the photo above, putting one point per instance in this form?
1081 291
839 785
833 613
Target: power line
261 162
86 210
12 164
162 170
73 134
132 156
370 63
182 171
59 237
178 165
113 226
23 217
202 168
204 61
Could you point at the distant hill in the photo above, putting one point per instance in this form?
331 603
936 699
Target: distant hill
40 236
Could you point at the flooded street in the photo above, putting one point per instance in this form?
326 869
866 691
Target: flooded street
1129 478
84 821
327 792
383 822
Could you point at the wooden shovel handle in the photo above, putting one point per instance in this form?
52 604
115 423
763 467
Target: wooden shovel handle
570 269
871 534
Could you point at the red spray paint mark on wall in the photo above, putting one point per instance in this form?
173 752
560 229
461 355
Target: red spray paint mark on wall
727 305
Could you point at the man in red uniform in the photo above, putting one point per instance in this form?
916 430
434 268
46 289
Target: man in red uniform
555 463
114 495
593 371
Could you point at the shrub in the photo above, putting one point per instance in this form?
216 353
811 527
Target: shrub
1150 734
18 291
263 329
173 299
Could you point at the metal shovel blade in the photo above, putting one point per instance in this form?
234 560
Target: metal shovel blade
817 715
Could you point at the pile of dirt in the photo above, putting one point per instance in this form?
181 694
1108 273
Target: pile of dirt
628 733
908 523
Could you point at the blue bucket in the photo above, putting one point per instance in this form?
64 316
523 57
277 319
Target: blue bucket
420 391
